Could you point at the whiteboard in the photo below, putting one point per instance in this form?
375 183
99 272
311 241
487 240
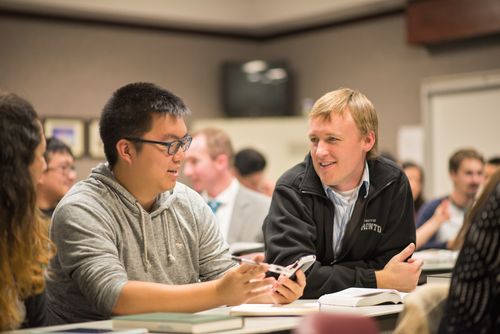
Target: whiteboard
458 112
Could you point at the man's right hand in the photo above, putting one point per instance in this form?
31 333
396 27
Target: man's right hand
243 283
399 273
442 212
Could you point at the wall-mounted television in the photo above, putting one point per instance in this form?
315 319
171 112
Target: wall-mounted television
257 88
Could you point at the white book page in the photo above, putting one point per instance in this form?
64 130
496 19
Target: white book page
361 296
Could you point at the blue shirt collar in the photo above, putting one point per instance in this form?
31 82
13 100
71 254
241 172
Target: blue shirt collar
365 181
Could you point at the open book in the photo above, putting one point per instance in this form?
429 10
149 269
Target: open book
362 297
178 322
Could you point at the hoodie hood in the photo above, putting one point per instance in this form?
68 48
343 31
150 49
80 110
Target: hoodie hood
162 203
104 174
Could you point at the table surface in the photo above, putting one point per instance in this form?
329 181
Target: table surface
256 324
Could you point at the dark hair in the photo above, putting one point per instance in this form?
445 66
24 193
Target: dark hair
129 111
419 201
248 161
55 145
460 155
494 161
24 244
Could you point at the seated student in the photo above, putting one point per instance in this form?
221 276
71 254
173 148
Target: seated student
57 178
415 175
24 245
240 211
350 208
249 165
439 220
491 166
473 304
131 239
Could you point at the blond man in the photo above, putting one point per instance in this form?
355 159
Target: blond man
346 205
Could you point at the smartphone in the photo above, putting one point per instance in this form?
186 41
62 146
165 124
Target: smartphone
303 263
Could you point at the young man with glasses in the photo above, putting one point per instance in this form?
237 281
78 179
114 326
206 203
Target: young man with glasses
131 239
59 176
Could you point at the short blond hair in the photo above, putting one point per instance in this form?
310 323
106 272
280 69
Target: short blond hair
362 111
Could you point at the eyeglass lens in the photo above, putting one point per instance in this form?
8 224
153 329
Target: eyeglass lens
174 147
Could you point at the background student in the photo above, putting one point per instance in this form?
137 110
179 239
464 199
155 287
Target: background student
24 245
415 175
131 239
439 220
350 208
240 211
490 167
57 178
250 165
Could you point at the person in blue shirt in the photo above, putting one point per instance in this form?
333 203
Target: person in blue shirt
439 220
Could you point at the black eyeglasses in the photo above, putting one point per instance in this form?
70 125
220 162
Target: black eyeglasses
65 169
172 146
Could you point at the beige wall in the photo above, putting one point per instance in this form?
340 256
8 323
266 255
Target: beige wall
71 69
373 57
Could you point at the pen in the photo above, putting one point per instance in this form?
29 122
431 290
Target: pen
274 268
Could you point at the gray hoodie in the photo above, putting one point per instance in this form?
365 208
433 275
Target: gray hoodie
105 238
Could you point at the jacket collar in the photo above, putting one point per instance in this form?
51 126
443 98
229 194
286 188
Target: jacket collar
311 183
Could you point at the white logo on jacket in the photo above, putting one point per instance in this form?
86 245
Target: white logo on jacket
370 225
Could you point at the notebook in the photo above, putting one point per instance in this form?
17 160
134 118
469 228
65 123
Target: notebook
178 322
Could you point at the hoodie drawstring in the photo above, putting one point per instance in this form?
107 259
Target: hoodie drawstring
145 259
170 256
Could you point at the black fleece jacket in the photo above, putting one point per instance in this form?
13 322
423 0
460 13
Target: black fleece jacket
300 222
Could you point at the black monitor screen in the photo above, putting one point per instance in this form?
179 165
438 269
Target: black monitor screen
256 89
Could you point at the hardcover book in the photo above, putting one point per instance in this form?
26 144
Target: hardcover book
178 322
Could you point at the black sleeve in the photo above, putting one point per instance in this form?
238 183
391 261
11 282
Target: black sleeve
290 231
35 311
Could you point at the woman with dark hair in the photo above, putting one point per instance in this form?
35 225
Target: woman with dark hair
473 304
415 175
24 245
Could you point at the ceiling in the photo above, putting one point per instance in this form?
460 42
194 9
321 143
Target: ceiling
252 18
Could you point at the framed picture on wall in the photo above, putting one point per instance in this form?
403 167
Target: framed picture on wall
96 148
70 130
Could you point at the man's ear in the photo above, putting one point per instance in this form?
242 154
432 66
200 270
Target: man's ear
453 176
125 150
221 162
368 141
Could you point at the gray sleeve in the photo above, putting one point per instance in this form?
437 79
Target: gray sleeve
87 242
